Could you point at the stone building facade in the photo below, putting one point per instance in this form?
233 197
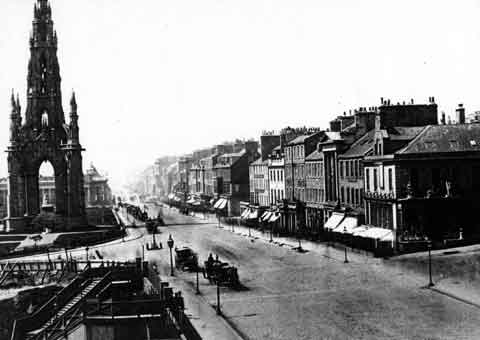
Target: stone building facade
428 185
232 176
315 192
296 152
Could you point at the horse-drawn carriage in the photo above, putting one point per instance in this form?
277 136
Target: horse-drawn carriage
186 259
221 273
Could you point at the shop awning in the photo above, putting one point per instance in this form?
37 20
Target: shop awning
253 214
266 216
221 204
377 233
212 201
274 217
217 203
245 213
347 225
358 231
334 221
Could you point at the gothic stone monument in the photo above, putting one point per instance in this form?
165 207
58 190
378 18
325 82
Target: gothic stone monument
44 136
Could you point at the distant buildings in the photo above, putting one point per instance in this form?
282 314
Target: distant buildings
97 191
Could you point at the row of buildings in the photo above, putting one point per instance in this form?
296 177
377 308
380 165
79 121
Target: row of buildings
398 174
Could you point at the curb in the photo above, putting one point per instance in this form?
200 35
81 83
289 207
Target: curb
453 296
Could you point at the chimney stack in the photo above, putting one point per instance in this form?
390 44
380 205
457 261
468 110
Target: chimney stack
460 114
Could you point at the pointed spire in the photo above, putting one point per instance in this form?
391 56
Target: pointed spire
19 107
73 103
13 100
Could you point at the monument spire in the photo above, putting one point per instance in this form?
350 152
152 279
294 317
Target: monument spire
44 90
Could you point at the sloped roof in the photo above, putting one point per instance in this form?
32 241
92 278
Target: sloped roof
301 139
445 138
333 135
316 155
362 146
234 157
258 161
404 133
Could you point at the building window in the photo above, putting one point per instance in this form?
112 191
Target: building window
390 180
341 168
375 180
367 179
342 194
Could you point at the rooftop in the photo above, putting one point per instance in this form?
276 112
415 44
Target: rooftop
362 146
301 139
445 138
403 133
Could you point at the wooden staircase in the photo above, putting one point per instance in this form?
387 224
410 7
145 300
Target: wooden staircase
69 306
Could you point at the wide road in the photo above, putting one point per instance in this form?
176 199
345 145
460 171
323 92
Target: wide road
314 295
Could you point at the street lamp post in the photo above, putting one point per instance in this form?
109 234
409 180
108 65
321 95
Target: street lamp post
170 245
271 231
299 237
48 256
430 283
66 258
219 311
86 253
345 233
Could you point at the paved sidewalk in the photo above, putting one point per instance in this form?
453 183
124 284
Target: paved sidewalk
203 316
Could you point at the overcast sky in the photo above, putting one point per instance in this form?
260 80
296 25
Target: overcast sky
157 77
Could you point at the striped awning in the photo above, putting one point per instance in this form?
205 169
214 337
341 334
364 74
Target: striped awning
274 217
245 213
334 221
221 204
266 216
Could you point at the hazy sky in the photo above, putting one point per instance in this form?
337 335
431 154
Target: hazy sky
156 77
